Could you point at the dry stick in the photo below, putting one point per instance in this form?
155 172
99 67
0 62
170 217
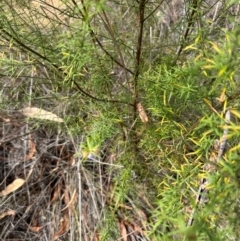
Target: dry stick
29 139
202 191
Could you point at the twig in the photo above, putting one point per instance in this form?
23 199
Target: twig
26 48
14 138
189 26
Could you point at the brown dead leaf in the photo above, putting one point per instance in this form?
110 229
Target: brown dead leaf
66 197
31 151
7 120
142 113
188 210
35 229
71 202
136 228
64 225
17 183
123 230
65 221
72 160
37 113
7 213
56 193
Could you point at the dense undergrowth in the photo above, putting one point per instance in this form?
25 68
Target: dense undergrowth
146 91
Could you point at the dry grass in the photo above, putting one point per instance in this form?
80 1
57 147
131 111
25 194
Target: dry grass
63 197
56 184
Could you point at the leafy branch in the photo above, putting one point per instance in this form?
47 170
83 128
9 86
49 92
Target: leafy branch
25 48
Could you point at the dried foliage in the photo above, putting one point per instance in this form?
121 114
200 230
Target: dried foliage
47 192
33 181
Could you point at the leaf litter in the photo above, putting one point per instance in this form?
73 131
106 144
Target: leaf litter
47 191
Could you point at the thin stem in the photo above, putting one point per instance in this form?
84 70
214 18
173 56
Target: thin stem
189 26
29 49
137 69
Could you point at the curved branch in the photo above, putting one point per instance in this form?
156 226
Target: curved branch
32 51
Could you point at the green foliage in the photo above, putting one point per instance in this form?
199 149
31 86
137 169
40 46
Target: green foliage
176 99
94 62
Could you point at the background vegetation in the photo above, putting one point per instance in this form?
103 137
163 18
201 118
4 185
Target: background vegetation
143 88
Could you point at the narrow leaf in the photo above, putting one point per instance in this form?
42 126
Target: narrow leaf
34 112
17 183
7 213
142 114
